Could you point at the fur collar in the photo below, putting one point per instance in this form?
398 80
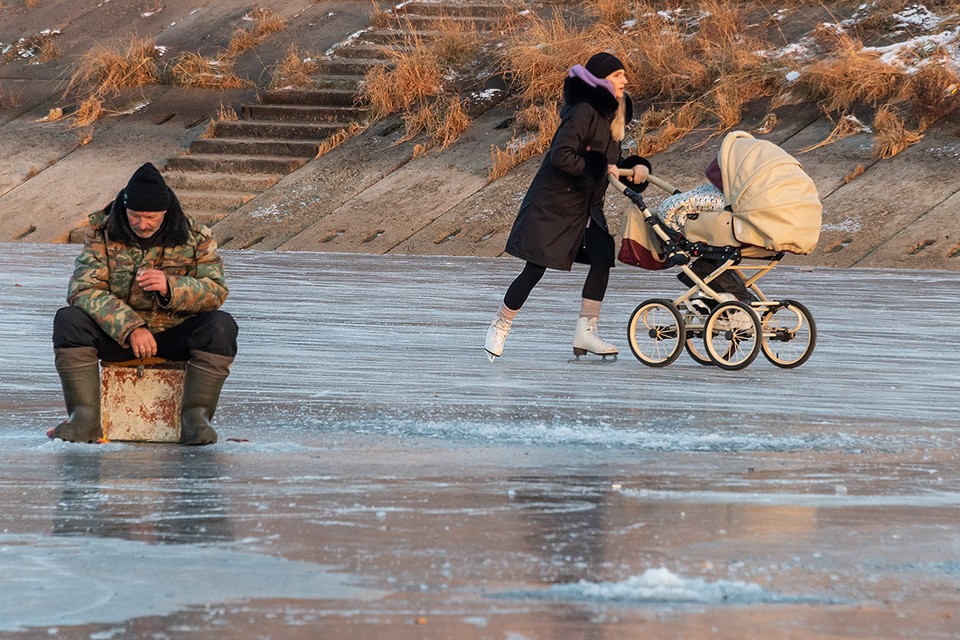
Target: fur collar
576 91
174 231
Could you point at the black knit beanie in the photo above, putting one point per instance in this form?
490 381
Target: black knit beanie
146 190
603 64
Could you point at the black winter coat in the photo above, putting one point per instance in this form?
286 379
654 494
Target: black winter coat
568 189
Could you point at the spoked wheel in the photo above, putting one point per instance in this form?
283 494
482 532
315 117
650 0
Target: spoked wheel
694 347
656 333
789 334
695 321
732 335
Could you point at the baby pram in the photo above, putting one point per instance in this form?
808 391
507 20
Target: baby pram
772 209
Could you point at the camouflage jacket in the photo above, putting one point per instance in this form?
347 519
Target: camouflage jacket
103 282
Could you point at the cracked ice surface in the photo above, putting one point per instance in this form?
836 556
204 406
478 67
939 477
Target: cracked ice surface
395 483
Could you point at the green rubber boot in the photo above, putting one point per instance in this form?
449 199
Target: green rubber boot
206 373
79 370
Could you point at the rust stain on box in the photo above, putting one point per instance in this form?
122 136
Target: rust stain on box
141 403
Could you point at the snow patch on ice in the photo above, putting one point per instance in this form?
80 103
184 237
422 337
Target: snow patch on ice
661 586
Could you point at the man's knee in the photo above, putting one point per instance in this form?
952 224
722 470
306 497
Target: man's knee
219 334
72 328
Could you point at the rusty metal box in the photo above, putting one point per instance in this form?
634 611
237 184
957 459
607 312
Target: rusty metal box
141 402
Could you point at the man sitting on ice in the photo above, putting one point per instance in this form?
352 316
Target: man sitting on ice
148 283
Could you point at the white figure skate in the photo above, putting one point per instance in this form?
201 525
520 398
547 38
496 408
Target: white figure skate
496 337
586 340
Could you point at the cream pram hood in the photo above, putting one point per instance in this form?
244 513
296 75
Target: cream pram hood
775 204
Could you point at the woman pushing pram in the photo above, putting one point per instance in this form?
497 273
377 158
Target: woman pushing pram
758 206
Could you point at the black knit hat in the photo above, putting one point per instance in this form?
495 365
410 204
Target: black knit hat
146 190
603 64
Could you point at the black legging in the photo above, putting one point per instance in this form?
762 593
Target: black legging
594 287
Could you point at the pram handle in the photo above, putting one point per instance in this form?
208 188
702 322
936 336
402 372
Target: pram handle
652 179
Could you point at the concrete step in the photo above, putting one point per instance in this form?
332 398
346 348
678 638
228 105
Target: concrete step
312 97
313 132
209 218
254 147
430 22
301 113
353 66
468 9
389 36
213 200
247 183
372 51
329 81
236 164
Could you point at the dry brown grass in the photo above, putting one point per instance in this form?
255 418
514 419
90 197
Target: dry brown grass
88 111
853 175
538 57
193 70
935 88
416 76
105 72
264 23
610 11
846 126
456 44
891 135
852 76
296 69
381 18
660 128
442 121
337 139
227 113
542 120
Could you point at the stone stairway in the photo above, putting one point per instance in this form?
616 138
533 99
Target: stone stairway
240 159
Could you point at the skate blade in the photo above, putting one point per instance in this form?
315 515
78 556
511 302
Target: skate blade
600 359
491 357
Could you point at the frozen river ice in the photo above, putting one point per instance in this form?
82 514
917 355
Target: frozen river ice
378 478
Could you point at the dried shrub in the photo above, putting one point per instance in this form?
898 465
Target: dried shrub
265 22
193 70
661 128
455 43
337 139
105 72
846 126
853 175
610 11
934 87
295 70
853 76
891 135
542 121
538 58
442 122
381 19
416 76
48 51
89 111
227 113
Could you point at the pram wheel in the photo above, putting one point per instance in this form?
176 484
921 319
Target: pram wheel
694 346
789 334
656 333
732 335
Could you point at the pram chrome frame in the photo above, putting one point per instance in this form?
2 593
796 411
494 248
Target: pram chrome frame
713 329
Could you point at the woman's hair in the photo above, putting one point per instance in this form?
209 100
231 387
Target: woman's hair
618 126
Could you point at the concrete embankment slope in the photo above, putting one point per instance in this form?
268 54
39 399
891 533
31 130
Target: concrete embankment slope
260 185
369 195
